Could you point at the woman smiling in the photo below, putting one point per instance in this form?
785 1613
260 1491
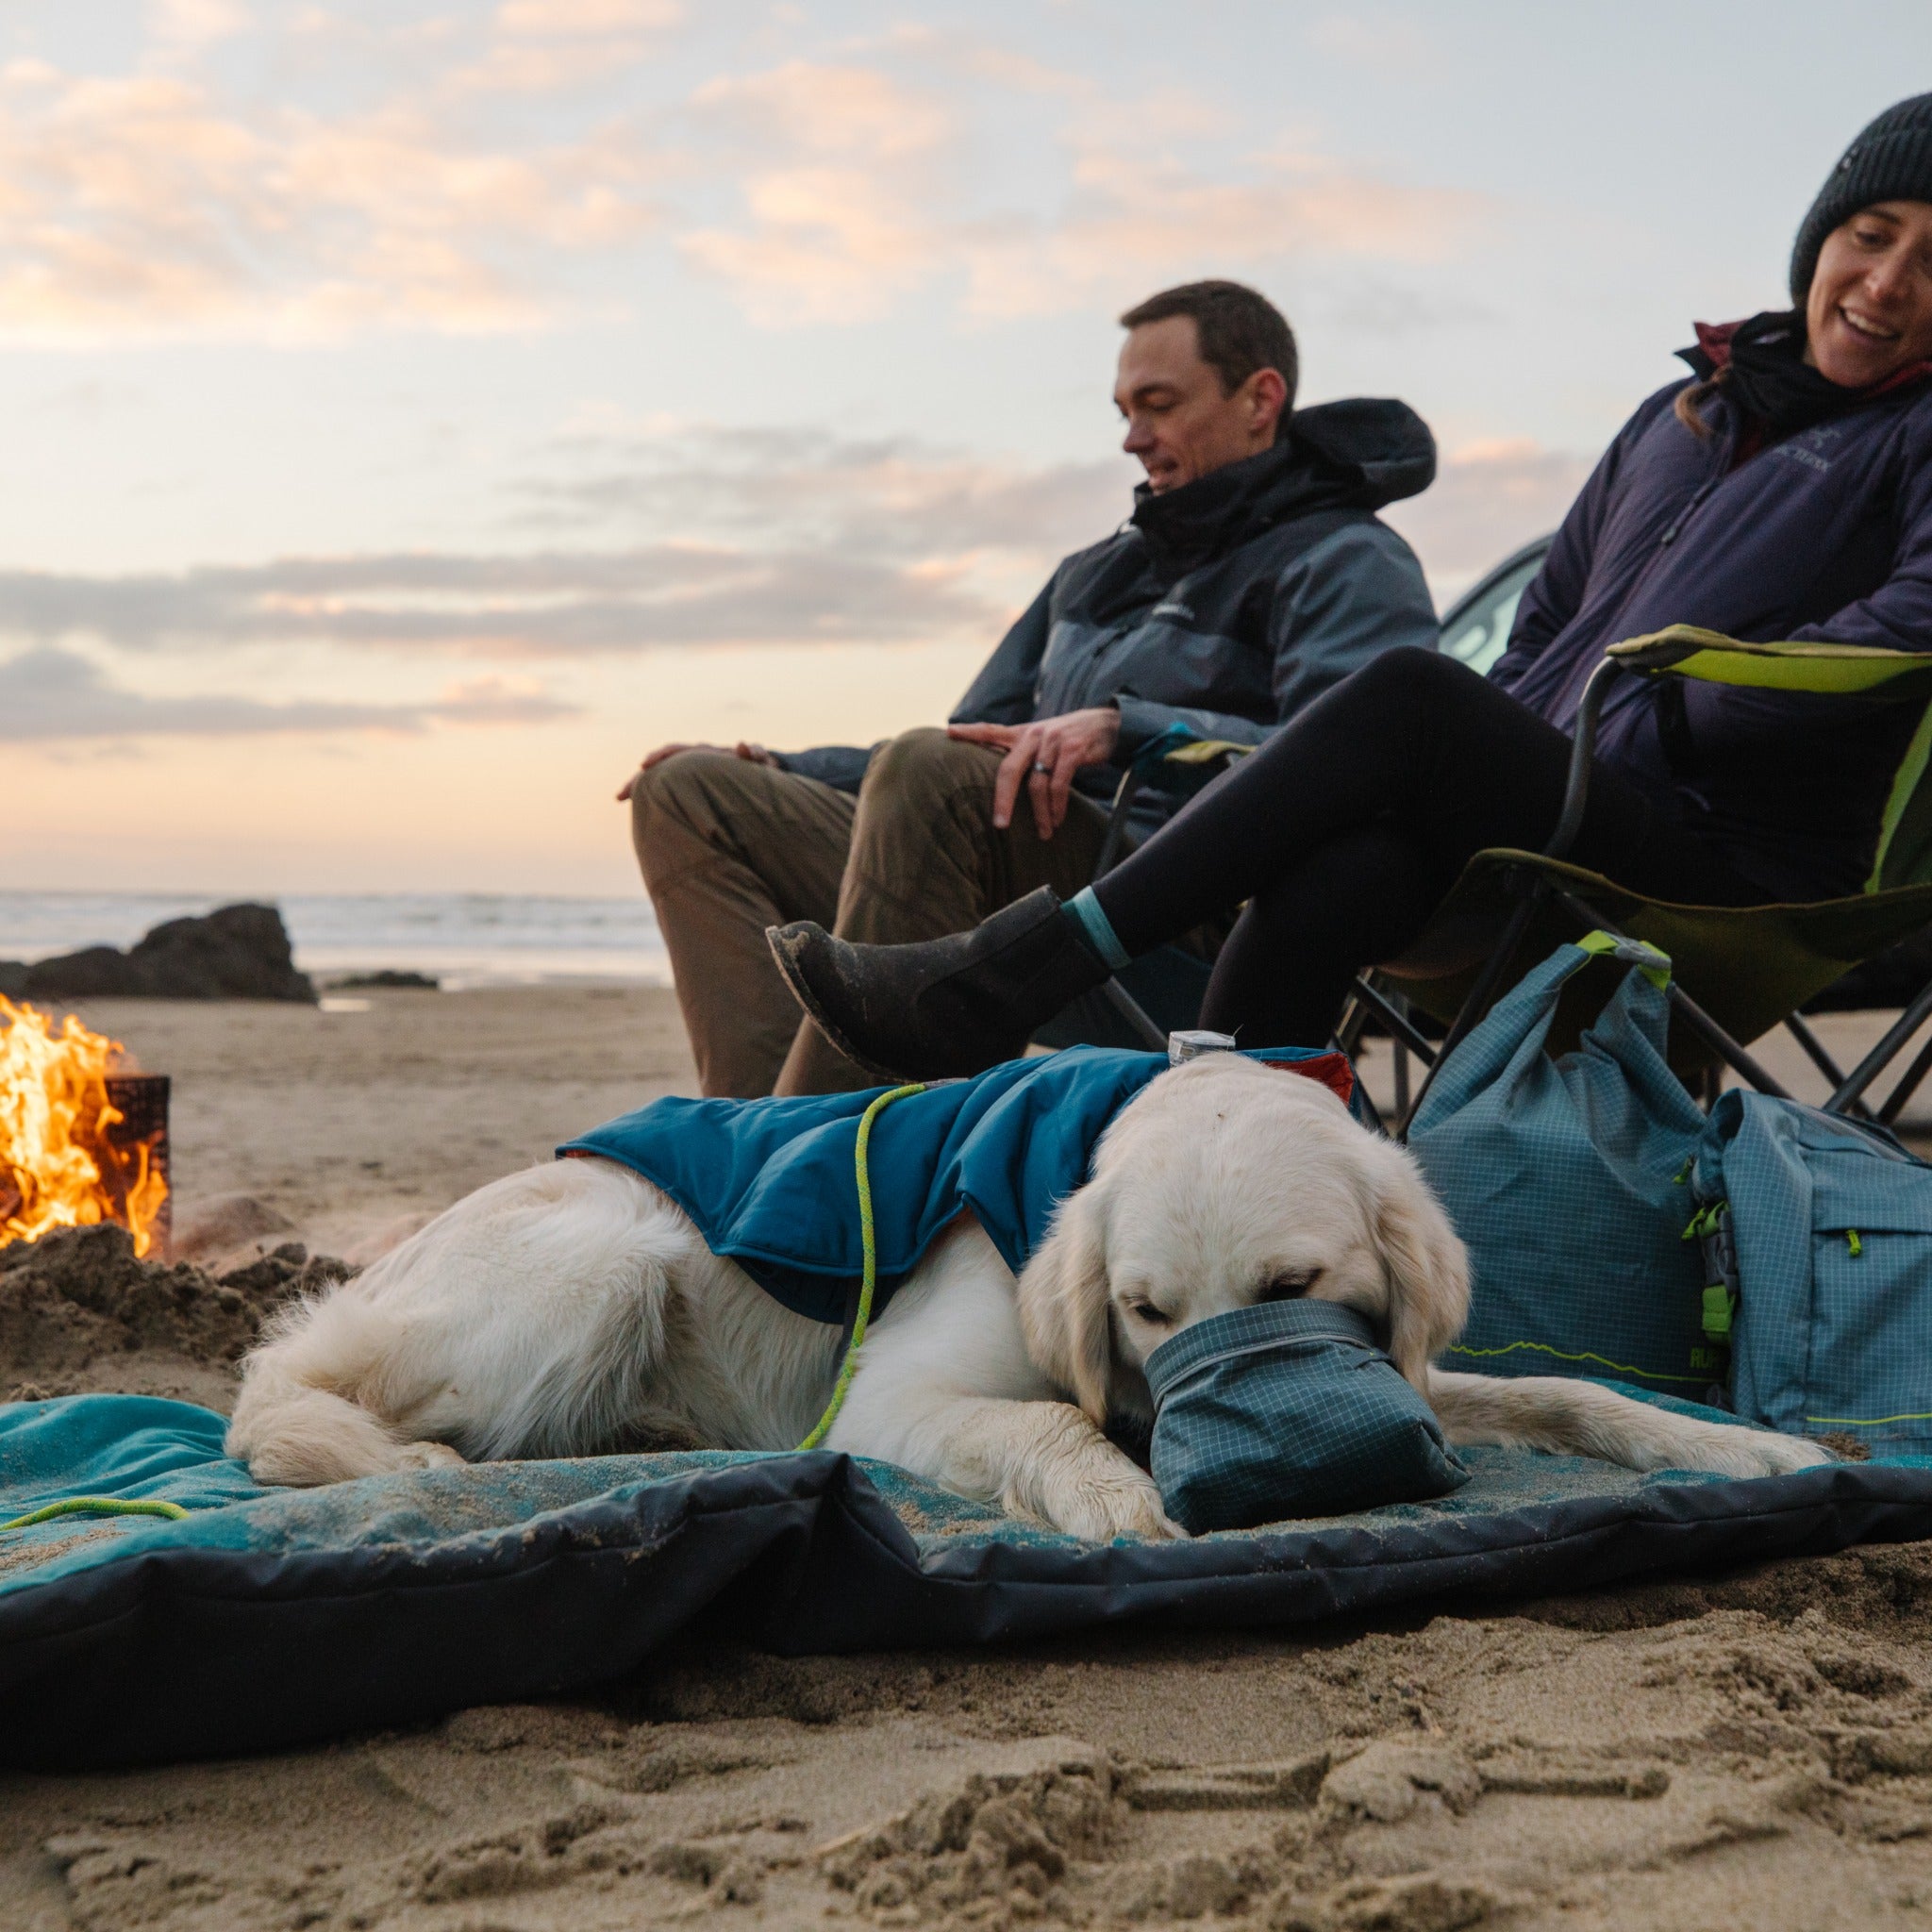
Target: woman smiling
1785 492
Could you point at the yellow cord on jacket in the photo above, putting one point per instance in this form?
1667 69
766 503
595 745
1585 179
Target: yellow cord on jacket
869 1244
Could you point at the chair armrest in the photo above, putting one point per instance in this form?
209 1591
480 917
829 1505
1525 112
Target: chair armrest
1203 751
1187 760
1823 668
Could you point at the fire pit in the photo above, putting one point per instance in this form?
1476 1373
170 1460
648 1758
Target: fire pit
83 1139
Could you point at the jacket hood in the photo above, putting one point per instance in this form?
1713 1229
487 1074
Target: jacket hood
1358 454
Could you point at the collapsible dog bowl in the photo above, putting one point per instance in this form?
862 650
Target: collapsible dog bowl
1289 1409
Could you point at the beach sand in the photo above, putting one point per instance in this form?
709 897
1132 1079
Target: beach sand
1746 1749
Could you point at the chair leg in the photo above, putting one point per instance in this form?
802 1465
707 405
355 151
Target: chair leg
1353 1024
1488 982
1797 1027
1367 998
1134 1014
1862 1076
1908 1086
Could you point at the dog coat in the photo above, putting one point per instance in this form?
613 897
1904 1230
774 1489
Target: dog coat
770 1183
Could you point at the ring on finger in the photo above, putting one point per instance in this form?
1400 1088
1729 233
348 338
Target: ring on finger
1045 771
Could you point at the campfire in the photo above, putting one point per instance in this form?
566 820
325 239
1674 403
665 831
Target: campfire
83 1138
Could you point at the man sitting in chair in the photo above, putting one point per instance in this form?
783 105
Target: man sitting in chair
1252 576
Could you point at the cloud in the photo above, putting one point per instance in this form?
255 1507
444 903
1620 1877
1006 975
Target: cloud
1132 219
55 694
854 190
884 498
532 605
836 188
1489 498
138 206
687 534
197 23
408 183
585 19
1378 41
548 46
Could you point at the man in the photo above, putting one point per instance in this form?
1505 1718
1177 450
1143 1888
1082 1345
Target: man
1252 575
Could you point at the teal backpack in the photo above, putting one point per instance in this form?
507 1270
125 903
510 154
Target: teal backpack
1817 1237
1567 1180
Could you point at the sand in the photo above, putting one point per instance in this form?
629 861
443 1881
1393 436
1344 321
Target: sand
1747 1749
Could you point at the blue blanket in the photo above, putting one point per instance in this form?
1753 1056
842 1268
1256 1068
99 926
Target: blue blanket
267 1618
770 1182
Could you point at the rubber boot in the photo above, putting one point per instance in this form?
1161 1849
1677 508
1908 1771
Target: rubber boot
940 1008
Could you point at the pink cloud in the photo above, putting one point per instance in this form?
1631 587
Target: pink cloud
851 187
138 206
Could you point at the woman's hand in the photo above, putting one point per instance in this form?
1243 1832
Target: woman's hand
1044 756
752 754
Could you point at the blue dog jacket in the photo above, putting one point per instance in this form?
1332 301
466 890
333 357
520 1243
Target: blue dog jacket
769 1183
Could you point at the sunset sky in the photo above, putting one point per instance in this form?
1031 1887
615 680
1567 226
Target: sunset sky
413 412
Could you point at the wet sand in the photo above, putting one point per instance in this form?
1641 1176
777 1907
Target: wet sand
1752 1750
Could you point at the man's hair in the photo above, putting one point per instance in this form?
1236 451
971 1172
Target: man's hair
1240 331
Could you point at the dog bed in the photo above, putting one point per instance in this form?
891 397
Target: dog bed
263 1619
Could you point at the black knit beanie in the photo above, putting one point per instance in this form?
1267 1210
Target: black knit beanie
1891 160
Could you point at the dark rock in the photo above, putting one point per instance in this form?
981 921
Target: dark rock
387 978
238 953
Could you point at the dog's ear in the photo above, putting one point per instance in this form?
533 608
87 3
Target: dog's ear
1063 1305
1427 1268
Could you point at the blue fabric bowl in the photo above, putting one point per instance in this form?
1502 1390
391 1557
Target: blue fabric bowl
1289 1409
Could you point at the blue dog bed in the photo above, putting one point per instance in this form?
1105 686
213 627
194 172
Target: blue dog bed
271 1618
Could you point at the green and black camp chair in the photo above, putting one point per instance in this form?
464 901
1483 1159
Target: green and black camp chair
1738 971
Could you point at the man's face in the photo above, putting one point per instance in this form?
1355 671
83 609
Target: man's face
1179 423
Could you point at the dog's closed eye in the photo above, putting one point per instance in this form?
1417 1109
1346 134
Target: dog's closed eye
1148 1312
1289 1285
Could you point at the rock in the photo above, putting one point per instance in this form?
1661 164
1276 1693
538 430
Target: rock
236 953
388 979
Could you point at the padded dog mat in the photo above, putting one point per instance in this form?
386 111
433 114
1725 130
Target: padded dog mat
270 1618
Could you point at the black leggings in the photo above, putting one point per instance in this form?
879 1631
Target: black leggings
1346 830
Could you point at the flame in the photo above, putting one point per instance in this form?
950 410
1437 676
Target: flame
57 1167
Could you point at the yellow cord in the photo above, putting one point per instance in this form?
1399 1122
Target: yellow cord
869 1244
95 1505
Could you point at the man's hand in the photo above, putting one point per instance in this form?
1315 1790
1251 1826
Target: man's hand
752 754
1044 756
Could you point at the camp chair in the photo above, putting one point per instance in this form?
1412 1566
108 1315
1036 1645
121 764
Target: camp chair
1738 971
1161 992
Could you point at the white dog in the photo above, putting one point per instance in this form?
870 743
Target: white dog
572 1308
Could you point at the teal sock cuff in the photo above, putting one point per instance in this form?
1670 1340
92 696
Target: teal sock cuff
1083 908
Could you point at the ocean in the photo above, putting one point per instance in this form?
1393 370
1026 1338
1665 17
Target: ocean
463 938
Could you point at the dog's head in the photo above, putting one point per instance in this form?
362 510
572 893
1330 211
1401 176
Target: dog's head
1228 1182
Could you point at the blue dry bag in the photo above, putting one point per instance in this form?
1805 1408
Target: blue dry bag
1289 1409
1568 1180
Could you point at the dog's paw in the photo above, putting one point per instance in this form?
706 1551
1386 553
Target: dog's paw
1099 1508
429 1456
1726 1451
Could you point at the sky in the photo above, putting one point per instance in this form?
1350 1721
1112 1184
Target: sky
414 412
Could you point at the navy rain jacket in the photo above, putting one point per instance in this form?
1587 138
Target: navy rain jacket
1218 609
1827 534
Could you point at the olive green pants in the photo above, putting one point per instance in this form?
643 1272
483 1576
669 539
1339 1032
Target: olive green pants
728 848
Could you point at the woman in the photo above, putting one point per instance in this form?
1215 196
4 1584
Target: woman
1785 492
